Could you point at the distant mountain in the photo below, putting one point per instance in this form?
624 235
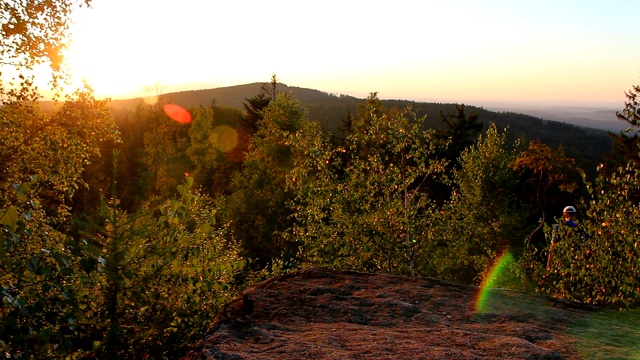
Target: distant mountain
587 145
231 96
597 117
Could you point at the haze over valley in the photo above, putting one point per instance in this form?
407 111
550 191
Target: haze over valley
597 117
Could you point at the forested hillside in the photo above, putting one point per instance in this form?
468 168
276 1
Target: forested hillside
125 229
588 146
123 233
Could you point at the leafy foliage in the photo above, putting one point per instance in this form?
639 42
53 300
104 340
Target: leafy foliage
54 150
33 33
548 173
142 285
256 209
163 278
361 205
603 267
33 259
587 146
44 158
217 148
143 277
165 145
486 215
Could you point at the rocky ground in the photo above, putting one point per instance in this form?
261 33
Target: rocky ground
333 314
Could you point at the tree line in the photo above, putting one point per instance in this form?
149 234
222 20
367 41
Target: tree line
123 237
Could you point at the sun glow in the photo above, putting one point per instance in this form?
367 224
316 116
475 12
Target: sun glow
108 79
547 52
115 59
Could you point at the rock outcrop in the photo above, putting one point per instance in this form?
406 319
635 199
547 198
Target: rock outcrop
334 314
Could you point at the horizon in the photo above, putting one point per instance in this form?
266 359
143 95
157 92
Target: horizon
570 53
500 105
597 116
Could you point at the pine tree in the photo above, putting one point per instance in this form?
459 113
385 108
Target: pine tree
624 146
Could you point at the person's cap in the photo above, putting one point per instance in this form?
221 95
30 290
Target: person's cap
569 209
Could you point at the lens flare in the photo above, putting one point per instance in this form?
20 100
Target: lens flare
495 276
177 113
225 138
598 333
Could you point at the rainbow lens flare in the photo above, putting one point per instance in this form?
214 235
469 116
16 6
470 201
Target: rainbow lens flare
496 276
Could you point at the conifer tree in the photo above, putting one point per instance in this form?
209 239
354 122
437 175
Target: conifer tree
255 105
257 208
461 132
624 146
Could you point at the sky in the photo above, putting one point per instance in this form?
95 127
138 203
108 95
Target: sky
476 52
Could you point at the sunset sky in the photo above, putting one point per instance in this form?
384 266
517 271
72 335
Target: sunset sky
476 52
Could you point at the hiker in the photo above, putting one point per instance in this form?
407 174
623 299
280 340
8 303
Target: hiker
560 231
